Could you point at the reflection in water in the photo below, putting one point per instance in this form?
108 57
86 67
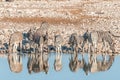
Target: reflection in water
15 62
95 65
45 62
34 63
58 62
75 63
39 62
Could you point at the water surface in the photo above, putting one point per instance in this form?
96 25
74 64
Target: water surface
64 74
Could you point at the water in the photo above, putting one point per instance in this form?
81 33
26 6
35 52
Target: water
64 74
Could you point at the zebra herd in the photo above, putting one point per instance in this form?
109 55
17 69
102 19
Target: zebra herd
95 41
38 40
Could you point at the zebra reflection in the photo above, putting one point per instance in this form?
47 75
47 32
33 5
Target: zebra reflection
75 64
95 65
38 63
15 62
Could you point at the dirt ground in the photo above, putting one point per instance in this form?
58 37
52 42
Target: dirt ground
63 16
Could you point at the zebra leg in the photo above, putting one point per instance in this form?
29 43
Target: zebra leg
82 46
41 48
20 46
89 48
58 49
